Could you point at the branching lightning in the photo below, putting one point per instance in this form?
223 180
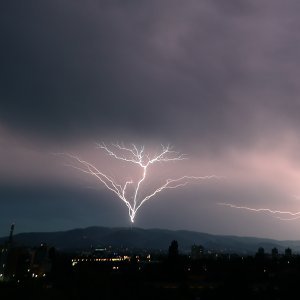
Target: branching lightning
137 156
281 215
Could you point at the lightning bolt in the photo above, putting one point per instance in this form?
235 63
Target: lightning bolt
279 214
137 156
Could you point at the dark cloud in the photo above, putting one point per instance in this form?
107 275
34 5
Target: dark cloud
54 207
71 68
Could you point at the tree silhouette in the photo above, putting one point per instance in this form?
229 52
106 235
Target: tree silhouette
173 250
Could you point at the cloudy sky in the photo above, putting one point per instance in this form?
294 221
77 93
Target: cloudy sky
218 80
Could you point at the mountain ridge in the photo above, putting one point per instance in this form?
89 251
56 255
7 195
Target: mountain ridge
152 239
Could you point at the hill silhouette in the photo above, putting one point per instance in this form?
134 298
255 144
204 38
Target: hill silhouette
155 239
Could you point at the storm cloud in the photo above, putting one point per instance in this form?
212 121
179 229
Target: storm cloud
219 80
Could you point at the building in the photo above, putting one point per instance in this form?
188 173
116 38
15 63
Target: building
197 251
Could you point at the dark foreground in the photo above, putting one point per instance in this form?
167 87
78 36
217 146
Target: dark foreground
210 277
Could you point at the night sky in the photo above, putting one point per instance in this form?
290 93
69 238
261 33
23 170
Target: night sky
218 80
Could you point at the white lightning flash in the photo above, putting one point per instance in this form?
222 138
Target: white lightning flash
137 156
279 214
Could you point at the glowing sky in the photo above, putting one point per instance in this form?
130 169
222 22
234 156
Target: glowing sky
216 79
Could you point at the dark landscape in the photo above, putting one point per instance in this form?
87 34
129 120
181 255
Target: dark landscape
134 263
